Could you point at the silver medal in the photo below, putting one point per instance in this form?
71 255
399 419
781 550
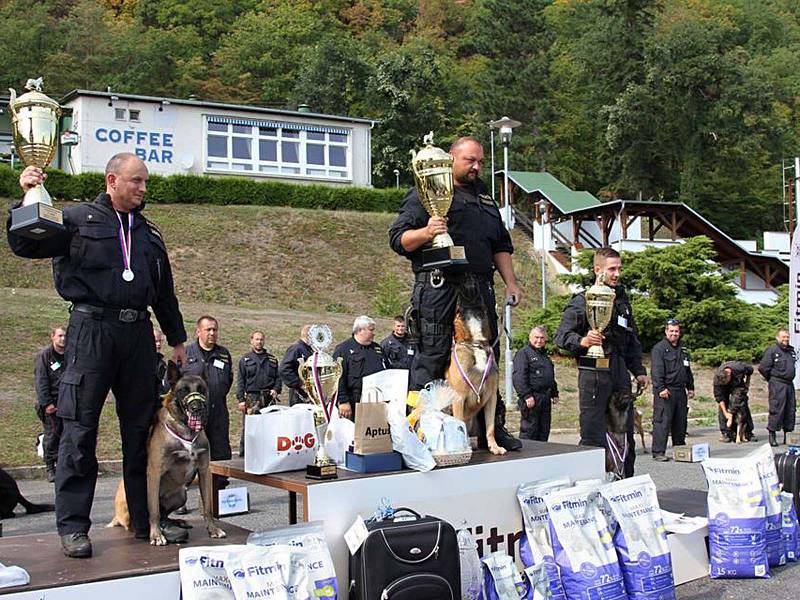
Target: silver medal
127 275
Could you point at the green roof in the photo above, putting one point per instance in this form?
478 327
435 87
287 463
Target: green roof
565 199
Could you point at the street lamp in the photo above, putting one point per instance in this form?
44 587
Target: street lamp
397 178
543 205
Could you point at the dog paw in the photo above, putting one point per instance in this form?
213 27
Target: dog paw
498 450
158 539
216 532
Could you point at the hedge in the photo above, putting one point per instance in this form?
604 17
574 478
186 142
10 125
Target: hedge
200 189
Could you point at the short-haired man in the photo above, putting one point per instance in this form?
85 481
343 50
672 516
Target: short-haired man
205 357
361 356
777 366
473 222
597 381
535 383
112 264
48 368
258 383
398 348
731 385
673 387
290 363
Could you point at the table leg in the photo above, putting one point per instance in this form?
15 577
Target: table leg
292 508
213 493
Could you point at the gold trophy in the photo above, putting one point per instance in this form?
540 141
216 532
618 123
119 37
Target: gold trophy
433 175
320 375
34 122
599 308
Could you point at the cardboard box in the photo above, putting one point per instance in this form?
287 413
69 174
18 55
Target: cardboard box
693 453
689 555
373 463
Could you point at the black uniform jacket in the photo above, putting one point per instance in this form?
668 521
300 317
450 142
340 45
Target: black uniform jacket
473 221
534 374
217 370
670 367
88 263
257 373
740 373
358 362
290 364
48 368
778 363
621 336
398 352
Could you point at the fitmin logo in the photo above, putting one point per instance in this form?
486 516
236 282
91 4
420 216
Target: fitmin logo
285 444
238 573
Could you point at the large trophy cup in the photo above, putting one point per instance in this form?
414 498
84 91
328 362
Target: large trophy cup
320 375
433 175
599 308
34 122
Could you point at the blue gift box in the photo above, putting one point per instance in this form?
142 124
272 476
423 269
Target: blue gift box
374 463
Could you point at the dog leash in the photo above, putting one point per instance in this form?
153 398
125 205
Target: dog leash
186 443
489 364
616 456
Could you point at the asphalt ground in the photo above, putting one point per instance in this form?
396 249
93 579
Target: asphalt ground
270 508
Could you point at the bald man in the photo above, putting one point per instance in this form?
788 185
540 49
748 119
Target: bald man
777 366
111 264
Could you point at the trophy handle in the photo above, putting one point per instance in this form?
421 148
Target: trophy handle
13 97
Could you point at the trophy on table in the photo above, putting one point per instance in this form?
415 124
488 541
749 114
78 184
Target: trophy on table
320 375
34 124
433 175
599 308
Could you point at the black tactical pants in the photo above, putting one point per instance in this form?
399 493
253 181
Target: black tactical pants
669 418
296 397
595 387
534 422
782 405
52 426
218 431
103 354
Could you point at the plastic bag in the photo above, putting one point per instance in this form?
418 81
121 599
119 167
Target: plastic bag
771 487
471 573
790 527
275 572
339 437
502 580
415 454
203 575
538 583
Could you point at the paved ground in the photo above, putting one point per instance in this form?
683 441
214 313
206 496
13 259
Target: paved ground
270 508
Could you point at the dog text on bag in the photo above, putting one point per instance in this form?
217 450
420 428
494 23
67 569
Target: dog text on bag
284 443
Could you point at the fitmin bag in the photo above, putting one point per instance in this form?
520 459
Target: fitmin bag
203 575
280 439
640 538
502 580
274 572
771 488
584 550
790 527
736 519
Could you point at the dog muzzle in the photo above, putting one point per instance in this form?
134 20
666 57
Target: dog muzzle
195 407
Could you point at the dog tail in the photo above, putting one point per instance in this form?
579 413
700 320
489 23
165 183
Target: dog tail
33 508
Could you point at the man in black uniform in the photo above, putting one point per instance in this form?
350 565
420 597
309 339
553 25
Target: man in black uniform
537 390
162 384
258 384
48 368
207 358
777 367
111 263
731 375
398 348
289 365
673 387
361 356
473 222
620 341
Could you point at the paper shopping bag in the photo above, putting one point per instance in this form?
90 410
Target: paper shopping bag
372 435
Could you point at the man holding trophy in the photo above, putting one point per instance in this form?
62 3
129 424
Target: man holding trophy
447 246
597 327
112 264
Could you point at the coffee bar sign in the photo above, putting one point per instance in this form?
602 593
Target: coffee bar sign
150 146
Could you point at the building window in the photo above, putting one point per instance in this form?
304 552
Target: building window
134 115
120 114
277 149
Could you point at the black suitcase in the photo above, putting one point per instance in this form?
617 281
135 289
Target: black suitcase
407 560
788 467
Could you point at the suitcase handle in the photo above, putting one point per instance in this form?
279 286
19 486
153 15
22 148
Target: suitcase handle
408 510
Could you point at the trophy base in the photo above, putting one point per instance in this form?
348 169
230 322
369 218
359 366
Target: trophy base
37 221
321 472
433 258
596 364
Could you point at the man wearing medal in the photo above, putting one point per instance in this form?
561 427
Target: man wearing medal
112 264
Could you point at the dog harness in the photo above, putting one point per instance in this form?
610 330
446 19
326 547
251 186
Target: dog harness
187 443
489 365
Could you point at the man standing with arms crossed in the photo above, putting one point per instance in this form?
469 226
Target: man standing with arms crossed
48 368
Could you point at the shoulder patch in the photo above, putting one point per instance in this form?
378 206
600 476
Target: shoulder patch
153 229
486 199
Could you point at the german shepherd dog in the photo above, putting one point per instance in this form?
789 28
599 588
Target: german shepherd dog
10 496
737 407
472 372
177 447
620 405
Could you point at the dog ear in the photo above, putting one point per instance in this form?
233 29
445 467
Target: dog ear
173 374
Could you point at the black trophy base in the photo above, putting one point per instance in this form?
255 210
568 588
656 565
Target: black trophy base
436 258
36 221
321 472
595 364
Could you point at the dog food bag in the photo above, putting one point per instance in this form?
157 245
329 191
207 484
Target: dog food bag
790 527
471 570
275 572
203 575
535 547
736 519
771 487
582 545
502 580
640 538
538 582
310 539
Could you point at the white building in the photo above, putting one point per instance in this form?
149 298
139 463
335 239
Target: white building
211 138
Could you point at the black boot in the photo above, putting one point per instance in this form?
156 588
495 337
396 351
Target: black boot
51 473
76 545
772 441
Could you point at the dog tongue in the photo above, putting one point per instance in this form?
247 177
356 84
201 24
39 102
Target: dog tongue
195 424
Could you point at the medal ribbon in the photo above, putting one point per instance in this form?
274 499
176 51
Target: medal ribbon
489 364
617 456
126 247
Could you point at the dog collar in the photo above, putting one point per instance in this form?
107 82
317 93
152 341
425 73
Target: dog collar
187 443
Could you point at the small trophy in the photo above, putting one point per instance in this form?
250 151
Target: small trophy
34 122
433 174
320 375
599 308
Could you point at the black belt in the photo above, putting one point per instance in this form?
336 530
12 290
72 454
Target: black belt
454 277
125 315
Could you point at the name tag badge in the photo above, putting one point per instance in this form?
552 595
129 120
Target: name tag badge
410 352
218 363
55 366
685 363
622 322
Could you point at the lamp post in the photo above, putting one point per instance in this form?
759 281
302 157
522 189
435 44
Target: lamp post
397 178
543 205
